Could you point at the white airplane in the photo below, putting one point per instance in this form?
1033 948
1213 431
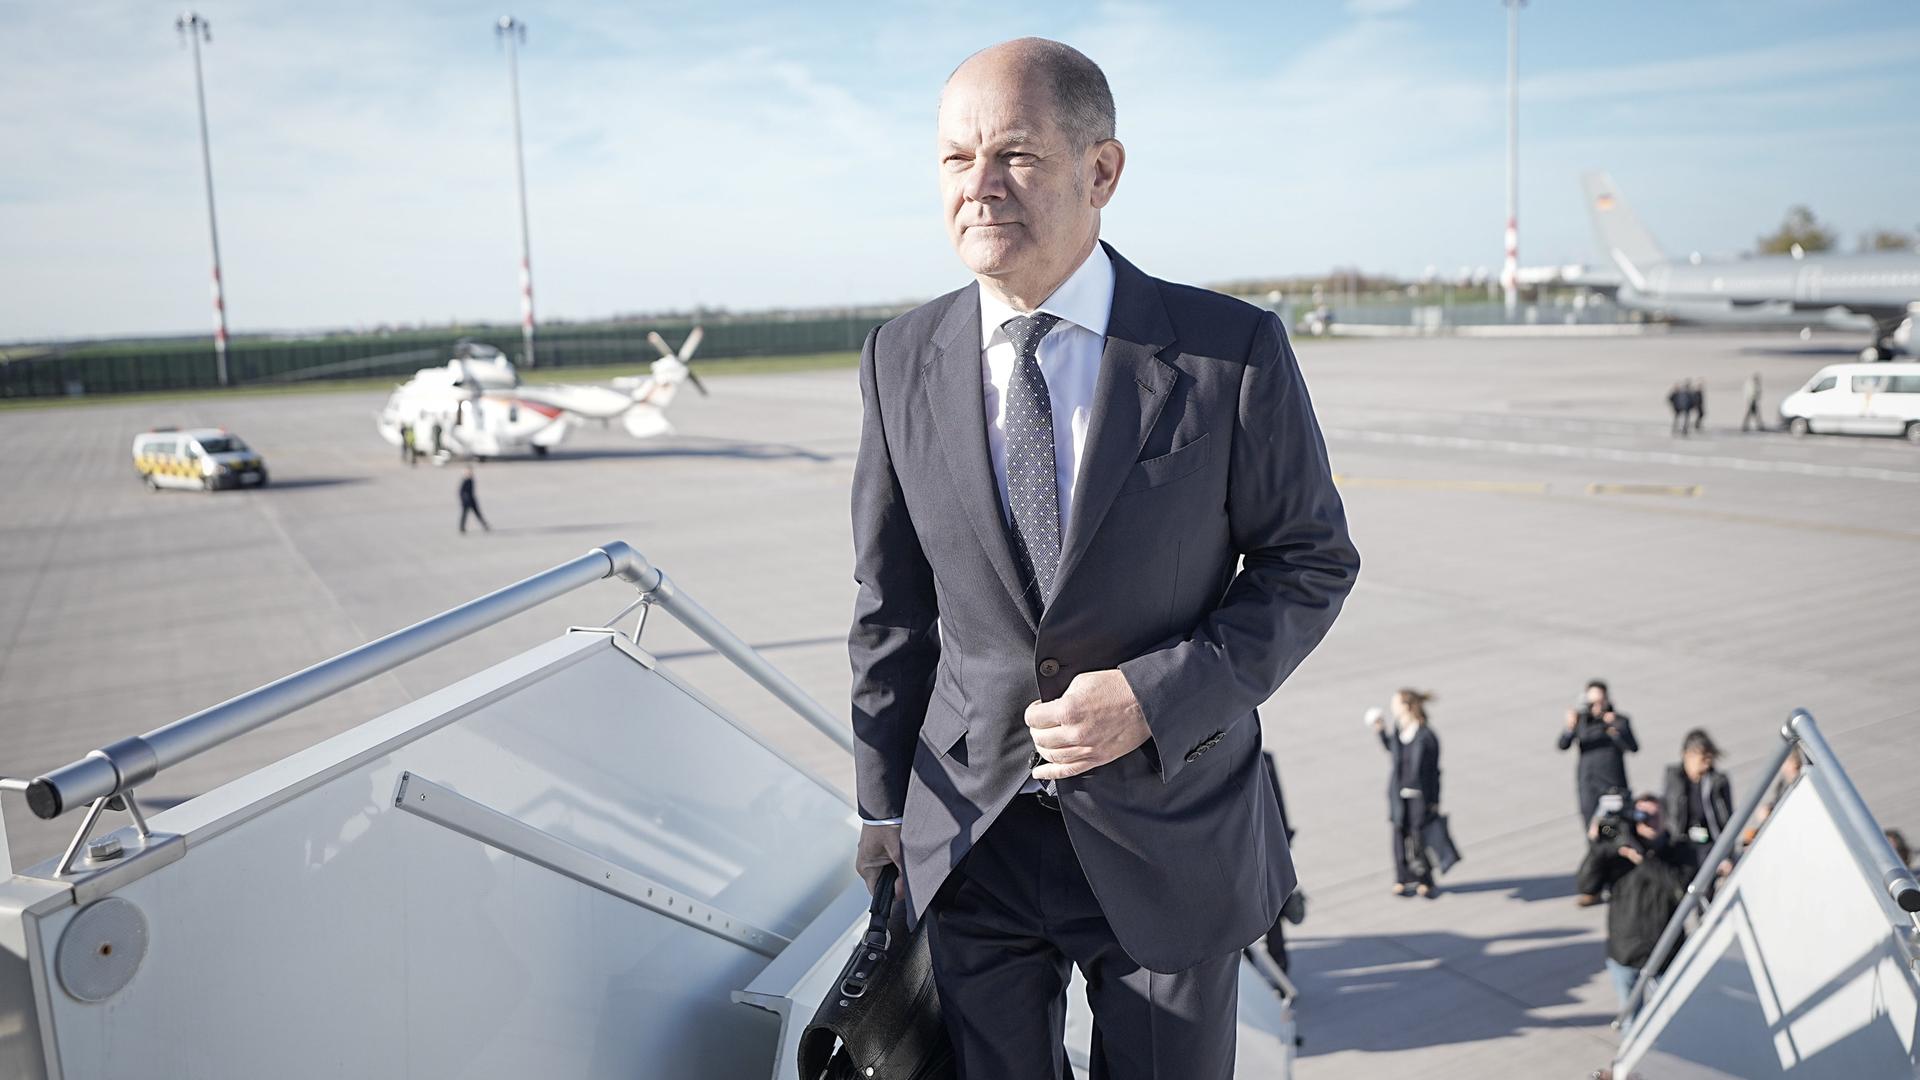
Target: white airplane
476 406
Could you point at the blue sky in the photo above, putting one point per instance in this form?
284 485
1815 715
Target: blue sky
759 154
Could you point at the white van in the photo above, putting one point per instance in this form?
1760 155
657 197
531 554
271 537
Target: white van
201 458
1858 399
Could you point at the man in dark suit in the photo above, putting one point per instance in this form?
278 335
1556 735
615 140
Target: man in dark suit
1057 646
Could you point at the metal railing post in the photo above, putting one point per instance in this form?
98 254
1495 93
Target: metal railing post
661 590
1895 876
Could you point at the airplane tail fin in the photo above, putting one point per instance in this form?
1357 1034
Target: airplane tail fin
1625 242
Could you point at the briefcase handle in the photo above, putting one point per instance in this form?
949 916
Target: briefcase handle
877 937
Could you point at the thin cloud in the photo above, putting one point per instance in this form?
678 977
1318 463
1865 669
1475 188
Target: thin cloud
759 155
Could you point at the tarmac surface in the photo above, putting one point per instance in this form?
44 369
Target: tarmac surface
1525 519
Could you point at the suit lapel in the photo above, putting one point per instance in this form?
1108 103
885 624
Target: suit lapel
955 401
1133 386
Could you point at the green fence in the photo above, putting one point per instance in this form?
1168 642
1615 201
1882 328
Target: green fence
118 368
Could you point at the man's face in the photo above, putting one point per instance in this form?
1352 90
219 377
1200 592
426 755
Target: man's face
1596 697
1697 762
1016 192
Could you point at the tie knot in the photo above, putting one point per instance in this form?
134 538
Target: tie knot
1025 331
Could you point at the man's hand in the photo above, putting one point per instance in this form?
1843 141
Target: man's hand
1631 854
880 845
1096 721
1573 719
1646 831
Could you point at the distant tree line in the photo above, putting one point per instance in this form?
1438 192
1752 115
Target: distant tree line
1803 230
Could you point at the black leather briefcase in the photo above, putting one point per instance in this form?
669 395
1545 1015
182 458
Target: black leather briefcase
1437 838
881 1020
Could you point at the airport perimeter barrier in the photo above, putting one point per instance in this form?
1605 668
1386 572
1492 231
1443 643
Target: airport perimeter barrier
74 369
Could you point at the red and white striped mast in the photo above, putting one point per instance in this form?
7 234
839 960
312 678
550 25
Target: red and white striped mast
195 28
1510 272
514 31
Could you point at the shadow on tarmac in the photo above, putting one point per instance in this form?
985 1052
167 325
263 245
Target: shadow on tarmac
1350 987
750 451
1529 889
299 482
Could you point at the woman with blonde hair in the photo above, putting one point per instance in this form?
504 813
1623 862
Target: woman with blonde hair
1413 786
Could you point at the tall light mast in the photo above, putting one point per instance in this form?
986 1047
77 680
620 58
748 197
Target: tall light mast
514 32
1510 273
194 28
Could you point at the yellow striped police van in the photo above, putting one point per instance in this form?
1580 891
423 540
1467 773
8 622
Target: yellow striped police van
202 458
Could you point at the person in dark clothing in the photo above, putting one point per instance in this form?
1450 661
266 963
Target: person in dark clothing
1680 401
1648 873
469 504
1276 939
1697 404
1413 787
1699 797
1605 738
1752 417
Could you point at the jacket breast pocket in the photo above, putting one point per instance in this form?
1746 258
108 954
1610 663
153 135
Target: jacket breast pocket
1181 461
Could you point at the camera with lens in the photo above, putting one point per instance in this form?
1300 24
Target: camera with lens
1615 828
1614 819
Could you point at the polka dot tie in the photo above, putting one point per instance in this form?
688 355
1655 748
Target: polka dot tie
1033 496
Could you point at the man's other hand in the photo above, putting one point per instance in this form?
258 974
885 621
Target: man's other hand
1096 721
879 846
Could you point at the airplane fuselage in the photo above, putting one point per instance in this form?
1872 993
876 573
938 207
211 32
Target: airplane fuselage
1866 283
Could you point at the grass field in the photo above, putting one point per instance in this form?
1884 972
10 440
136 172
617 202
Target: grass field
711 369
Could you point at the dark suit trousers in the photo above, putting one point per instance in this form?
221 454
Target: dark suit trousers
1003 930
1413 812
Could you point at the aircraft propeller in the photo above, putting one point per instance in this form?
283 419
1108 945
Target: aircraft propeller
685 355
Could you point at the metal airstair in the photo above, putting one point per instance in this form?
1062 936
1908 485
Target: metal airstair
569 864
1806 961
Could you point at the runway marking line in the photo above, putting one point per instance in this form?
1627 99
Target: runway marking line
1634 456
1497 487
1684 491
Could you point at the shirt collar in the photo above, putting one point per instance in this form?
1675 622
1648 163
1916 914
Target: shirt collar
1085 299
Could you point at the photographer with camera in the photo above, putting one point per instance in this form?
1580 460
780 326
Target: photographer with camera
1605 738
1632 854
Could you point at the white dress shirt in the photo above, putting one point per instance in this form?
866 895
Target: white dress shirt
1069 358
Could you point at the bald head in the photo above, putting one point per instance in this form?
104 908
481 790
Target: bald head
1082 104
1027 161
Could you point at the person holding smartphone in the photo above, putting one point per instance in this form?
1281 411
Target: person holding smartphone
1605 738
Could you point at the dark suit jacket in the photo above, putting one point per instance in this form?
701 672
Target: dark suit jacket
1603 762
1415 766
1202 449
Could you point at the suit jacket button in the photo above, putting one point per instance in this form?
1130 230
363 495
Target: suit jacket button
1195 756
1049 667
